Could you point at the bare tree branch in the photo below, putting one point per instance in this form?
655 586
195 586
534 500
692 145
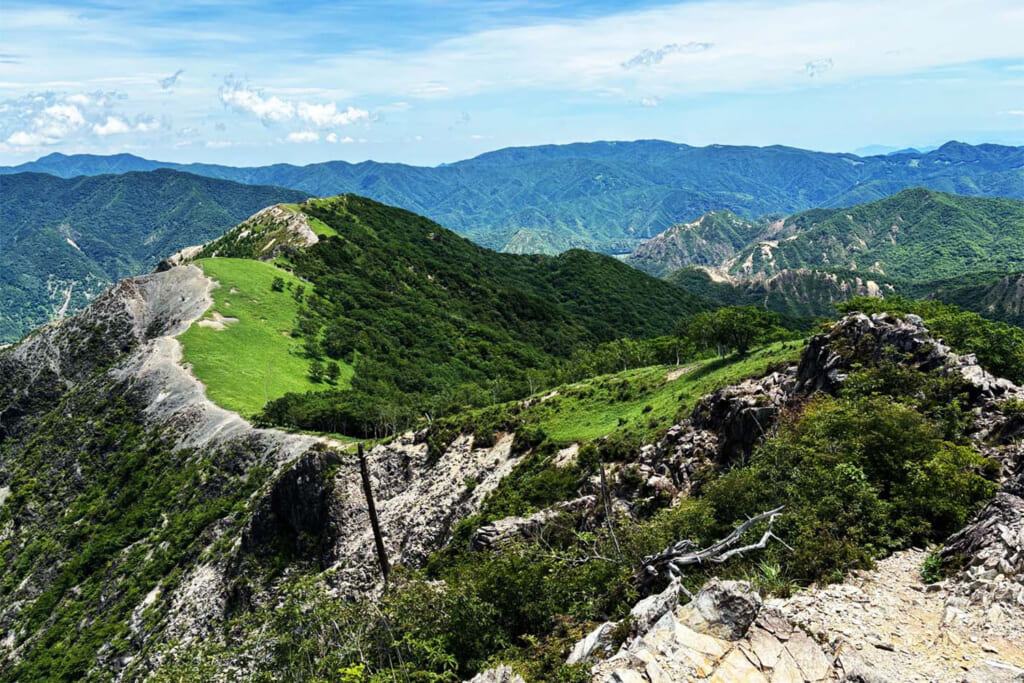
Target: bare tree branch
673 559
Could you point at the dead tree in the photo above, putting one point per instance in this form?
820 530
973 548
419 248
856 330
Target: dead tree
671 561
378 538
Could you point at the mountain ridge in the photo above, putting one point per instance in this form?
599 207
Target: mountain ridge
63 241
609 196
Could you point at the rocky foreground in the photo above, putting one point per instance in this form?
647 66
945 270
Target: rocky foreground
887 624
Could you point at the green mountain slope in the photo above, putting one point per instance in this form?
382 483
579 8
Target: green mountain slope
610 196
428 319
708 241
64 241
917 235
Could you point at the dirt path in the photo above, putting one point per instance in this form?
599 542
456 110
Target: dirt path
901 627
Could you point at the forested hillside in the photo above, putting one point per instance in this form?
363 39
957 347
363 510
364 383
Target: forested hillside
426 320
609 196
62 242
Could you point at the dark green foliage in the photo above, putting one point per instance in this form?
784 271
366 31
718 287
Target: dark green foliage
433 323
124 515
861 476
609 196
917 235
931 568
732 328
70 239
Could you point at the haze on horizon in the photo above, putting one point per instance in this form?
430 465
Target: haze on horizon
248 82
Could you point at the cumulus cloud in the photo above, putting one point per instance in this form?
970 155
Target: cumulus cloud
48 118
239 97
650 101
170 81
328 115
818 67
303 136
112 126
650 57
333 138
147 124
218 144
1016 112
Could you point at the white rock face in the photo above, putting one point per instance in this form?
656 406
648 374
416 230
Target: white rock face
129 335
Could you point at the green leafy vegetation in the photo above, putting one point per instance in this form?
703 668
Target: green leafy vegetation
124 514
609 196
245 349
432 323
917 235
62 242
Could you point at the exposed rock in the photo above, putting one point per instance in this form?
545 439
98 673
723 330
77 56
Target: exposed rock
722 636
501 674
125 345
878 626
597 644
504 531
648 611
989 556
724 609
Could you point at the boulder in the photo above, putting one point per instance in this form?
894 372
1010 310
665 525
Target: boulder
724 609
651 609
598 644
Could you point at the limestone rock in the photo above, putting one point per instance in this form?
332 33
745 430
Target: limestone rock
724 609
501 674
597 644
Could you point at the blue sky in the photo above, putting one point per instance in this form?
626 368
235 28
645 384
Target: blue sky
252 82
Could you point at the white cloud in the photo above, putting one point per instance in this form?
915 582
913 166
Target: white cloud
218 144
241 98
706 47
112 126
328 115
272 109
26 139
648 57
303 136
650 101
147 124
333 137
1016 112
49 118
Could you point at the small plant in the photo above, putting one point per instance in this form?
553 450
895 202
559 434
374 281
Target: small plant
769 577
932 570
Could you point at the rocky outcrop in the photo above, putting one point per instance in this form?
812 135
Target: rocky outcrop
510 529
307 506
723 428
987 557
881 625
267 234
861 339
419 500
723 634
501 674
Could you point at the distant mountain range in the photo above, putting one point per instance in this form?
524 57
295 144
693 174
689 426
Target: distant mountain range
610 196
63 241
919 243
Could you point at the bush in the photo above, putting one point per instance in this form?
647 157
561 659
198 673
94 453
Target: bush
860 477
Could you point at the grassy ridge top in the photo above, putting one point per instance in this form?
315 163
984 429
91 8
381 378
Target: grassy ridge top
242 349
